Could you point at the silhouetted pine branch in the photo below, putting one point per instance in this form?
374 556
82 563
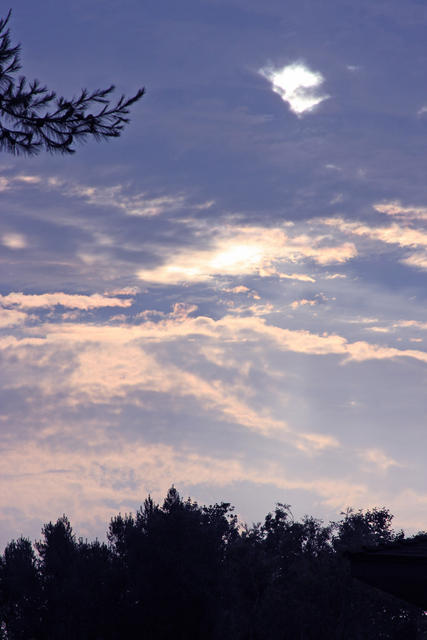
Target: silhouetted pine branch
34 119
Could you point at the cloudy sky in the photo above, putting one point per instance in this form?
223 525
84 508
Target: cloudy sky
231 297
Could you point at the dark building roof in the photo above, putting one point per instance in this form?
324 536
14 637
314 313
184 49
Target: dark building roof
399 568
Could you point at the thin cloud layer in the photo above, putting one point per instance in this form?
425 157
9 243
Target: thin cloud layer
125 472
118 196
110 363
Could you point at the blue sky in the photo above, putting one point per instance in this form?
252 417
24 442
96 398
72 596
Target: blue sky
230 297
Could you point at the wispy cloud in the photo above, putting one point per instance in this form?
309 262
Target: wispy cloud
72 301
417 260
403 236
379 460
396 209
95 486
140 204
400 234
117 365
417 324
119 196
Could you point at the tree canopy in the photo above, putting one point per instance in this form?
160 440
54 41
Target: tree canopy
180 570
33 119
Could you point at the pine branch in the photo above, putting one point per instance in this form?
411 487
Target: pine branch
34 119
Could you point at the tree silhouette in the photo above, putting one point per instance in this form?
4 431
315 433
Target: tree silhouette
171 557
20 592
32 118
184 571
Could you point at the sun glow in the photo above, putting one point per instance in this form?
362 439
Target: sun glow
237 256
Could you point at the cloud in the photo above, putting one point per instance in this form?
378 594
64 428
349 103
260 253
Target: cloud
300 303
379 459
104 372
247 250
103 476
254 309
396 209
73 301
11 318
28 179
4 184
196 361
238 289
313 442
302 277
411 323
14 240
139 204
417 260
7 183
230 328
119 196
104 364
360 351
113 363
297 85
360 320
401 235
123 291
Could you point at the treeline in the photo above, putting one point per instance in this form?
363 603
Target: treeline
186 572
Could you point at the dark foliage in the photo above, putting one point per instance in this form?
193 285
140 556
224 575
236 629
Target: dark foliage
34 119
183 571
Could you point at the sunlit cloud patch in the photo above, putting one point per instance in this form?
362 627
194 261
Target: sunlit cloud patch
249 250
407 231
14 240
11 317
297 85
396 209
73 301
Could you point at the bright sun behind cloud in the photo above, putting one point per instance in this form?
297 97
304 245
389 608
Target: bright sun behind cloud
236 256
247 250
297 85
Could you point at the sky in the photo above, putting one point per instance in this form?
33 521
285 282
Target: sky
231 297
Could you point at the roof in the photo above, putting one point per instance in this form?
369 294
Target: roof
398 568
